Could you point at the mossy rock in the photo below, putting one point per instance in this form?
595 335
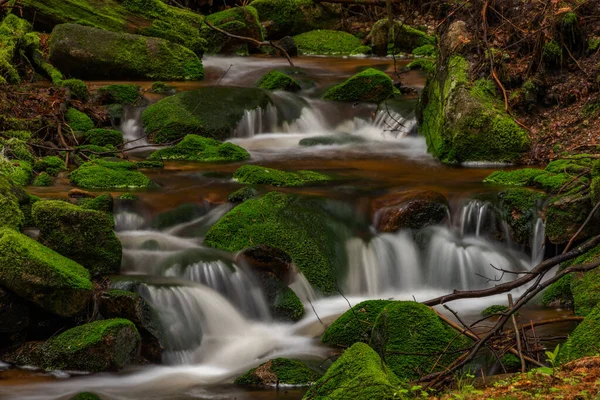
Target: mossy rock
277 80
42 276
90 53
14 313
300 226
280 371
519 177
494 309
212 112
85 396
43 179
201 149
283 302
559 293
103 202
85 236
358 374
53 165
78 121
584 340
124 94
453 111
104 137
370 85
240 21
11 215
77 87
585 287
106 345
242 194
354 325
330 140
20 172
326 42
566 213
143 17
291 17
108 175
518 208
257 175
400 37
406 330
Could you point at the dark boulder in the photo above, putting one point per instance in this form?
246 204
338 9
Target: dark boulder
414 209
14 312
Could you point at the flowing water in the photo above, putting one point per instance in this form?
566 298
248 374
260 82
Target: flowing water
214 315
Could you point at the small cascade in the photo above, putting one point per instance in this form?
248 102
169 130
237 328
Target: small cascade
131 126
538 242
200 226
128 221
477 217
303 288
258 120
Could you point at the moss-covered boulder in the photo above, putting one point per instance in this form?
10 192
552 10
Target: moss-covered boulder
279 371
90 53
109 175
277 80
83 235
358 374
78 121
11 215
463 120
326 42
584 340
242 194
584 288
240 21
106 345
119 94
103 137
201 149
257 175
291 17
413 209
43 179
518 207
300 226
385 39
20 172
42 276
566 213
212 112
370 85
144 17
52 165
410 337
354 325
77 88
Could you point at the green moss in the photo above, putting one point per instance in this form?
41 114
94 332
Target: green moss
401 38
242 194
354 325
358 374
119 94
22 135
104 137
103 203
14 33
159 87
97 346
511 362
85 396
212 112
43 179
584 340
519 177
518 208
78 121
585 287
77 87
593 44
50 164
11 215
92 53
595 190
565 214
326 42
552 53
41 275
427 50
240 21
495 309
21 172
552 183
108 175
201 149
369 85
254 174
405 330
16 149
277 80
425 65
280 371
559 291
330 140
287 306
84 235
302 227
361 51
128 197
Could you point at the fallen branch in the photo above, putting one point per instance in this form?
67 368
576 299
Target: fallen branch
589 217
531 324
251 40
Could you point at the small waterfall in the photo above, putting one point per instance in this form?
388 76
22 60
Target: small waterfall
538 242
128 221
476 216
131 126
258 120
200 226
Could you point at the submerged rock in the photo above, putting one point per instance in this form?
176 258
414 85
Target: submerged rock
326 42
267 259
370 85
213 112
406 330
42 276
354 325
201 149
462 120
257 175
279 371
358 374
90 53
277 80
409 210
85 236
240 21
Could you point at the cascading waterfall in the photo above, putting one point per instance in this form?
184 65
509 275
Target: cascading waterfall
131 126
538 240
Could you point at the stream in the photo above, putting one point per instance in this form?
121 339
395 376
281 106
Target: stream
214 314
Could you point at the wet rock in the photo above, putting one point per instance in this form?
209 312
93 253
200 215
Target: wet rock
123 94
201 149
101 174
242 194
566 213
123 304
90 53
412 210
86 236
327 42
277 80
330 140
222 108
42 276
404 38
280 371
14 312
257 175
518 208
178 215
358 374
267 259
370 85
289 45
